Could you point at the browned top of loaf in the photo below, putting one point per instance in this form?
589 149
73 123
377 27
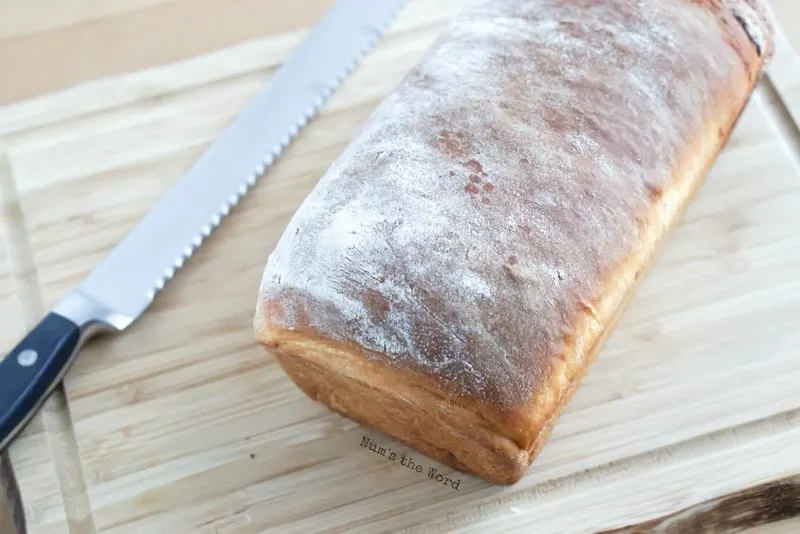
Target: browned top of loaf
487 199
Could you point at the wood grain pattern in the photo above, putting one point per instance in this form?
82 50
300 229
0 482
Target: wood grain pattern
10 233
21 271
54 416
789 526
183 424
87 40
787 13
763 504
785 68
12 515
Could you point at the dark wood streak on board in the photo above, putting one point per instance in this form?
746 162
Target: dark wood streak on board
12 515
745 509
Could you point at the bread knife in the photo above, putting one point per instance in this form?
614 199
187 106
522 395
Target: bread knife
122 286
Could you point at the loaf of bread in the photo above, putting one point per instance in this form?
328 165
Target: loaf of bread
454 273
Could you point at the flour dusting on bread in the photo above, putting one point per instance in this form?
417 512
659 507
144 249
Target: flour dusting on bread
758 21
483 206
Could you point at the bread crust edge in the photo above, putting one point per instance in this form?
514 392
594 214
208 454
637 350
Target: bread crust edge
476 437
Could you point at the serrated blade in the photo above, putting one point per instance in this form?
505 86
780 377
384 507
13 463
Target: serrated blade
129 277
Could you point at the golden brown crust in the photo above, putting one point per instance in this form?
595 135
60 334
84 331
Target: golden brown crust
463 357
383 399
498 445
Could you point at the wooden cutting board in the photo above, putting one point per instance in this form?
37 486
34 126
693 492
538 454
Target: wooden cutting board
691 415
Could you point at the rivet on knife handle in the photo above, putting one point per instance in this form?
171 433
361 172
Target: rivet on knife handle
30 372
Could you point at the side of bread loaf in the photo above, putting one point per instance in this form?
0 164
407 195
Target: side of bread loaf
454 273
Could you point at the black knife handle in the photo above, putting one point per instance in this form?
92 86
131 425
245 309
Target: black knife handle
30 372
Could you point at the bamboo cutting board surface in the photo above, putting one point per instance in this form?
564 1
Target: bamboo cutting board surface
690 416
